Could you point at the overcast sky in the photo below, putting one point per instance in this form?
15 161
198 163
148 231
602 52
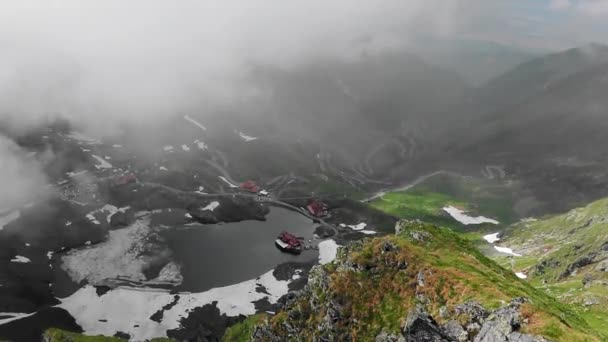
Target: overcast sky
137 57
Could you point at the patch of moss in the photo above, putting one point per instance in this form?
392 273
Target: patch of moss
58 335
241 332
426 206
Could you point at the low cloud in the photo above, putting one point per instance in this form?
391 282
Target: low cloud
20 175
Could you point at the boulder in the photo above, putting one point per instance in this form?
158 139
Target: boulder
421 327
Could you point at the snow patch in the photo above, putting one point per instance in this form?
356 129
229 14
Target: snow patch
117 146
506 251
328 250
21 259
211 206
129 309
185 148
521 275
124 254
75 174
103 164
83 138
194 122
368 232
168 148
228 182
491 238
201 145
245 137
162 168
460 216
359 226
6 219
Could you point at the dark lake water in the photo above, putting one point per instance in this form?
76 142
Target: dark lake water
224 254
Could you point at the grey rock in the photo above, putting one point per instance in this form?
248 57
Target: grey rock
444 312
473 310
421 327
386 337
591 301
473 328
499 325
420 278
519 337
388 247
455 331
264 333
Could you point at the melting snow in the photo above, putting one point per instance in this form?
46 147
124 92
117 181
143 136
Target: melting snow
211 206
228 182
129 309
49 254
117 146
359 226
162 168
506 251
185 148
521 275
201 145
245 137
83 138
460 216
6 219
106 208
328 250
74 174
195 122
21 259
368 232
103 164
121 255
168 148
491 238
92 218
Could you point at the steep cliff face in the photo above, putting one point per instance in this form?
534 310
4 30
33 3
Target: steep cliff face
422 284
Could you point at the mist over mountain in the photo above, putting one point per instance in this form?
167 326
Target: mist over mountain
308 171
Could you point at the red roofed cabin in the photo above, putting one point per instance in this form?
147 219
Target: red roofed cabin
316 208
250 186
125 179
289 243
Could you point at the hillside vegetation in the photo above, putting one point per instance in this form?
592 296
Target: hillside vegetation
423 280
567 256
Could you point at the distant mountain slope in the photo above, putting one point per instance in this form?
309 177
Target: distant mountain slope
476 61
528 79
555 139
567 255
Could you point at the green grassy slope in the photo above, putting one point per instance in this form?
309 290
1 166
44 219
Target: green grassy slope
567 256
376 296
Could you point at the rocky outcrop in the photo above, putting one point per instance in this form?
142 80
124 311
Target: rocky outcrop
420 326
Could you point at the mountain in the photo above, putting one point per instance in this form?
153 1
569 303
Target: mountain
530 78
476 61
566 255
552 137
422 284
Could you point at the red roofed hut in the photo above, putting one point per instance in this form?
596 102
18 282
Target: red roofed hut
317 208
250 186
